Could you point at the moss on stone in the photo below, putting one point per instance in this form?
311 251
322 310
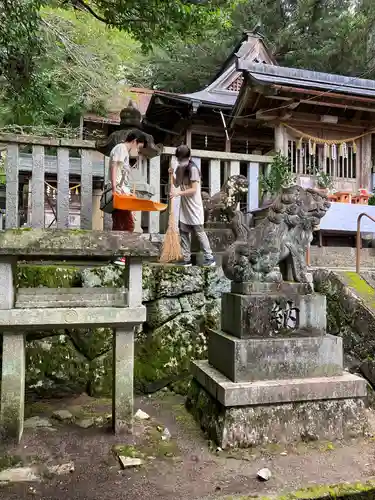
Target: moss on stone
7 461
32 276
361 287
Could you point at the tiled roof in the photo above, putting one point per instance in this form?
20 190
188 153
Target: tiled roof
269 74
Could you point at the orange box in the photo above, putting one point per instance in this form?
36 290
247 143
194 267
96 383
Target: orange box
361 199
132 203
344 197
332 197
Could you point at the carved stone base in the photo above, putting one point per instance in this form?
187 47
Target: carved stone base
272 314
278 411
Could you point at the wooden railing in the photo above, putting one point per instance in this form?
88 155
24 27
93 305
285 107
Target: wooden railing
359 241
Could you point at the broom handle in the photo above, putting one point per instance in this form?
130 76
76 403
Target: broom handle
170 199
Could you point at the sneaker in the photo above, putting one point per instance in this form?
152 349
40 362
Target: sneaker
183 263
120 261
209 262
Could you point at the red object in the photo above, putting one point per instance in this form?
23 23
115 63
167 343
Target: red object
122 220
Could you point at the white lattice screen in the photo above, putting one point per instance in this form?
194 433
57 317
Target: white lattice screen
338 166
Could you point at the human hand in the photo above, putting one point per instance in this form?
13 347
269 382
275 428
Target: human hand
170 170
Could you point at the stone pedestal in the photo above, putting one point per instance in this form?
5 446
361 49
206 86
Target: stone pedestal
273 373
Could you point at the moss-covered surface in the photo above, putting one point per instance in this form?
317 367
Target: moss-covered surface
358 491
181 304
349 311
32 276
75 243
361 287
7 461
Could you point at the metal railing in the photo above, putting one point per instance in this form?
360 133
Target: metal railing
359 241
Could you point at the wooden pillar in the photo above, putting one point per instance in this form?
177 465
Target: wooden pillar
280 139
365 163
188 137
226 163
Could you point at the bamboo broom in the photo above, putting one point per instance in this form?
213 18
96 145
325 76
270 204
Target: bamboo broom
171 251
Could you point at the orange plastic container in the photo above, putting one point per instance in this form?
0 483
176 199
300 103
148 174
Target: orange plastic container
344 196
134 204
361 199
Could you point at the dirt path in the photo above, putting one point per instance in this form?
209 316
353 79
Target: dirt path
182 468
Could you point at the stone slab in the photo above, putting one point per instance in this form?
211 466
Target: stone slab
112 317
286 287
246 360
271 315
264 392
48 244
284 423
44 297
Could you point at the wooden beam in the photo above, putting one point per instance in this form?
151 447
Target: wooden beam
321 103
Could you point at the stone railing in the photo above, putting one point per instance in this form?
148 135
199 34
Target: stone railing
22 310
232 163
75 164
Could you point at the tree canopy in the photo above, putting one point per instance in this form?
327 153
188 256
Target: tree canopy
59 58
335 36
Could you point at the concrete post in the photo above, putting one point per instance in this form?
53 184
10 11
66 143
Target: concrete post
122 385
13 363
214 176
123 356
154 217
97 214
253 186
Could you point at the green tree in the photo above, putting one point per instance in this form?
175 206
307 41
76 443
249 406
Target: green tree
80 69
334 36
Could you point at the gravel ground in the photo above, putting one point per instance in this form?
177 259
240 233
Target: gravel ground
186 467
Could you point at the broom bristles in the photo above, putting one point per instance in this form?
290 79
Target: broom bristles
171 251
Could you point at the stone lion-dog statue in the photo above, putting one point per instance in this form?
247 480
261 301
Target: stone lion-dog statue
281 239
222 206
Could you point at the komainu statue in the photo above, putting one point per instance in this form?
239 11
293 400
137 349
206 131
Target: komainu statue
130 118
282 238
222 206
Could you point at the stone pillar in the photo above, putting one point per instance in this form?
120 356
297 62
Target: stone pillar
122 384
13 362
234 168
97 214
214 177
154 176
253 186
123 355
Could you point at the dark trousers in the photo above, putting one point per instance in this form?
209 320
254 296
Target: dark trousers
122 220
